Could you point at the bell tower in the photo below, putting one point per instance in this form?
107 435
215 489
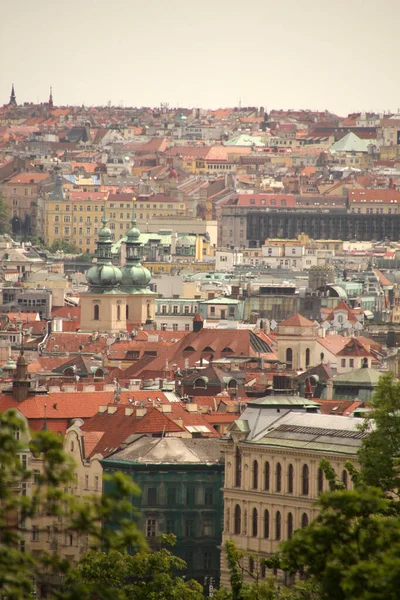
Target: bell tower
13 99
21 383
103 305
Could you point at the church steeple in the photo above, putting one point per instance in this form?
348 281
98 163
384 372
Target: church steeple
13 99
134 276
21 383
103 275
51 98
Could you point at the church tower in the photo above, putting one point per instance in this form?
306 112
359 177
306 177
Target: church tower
13 99
50 103
103 305
21 383
140 300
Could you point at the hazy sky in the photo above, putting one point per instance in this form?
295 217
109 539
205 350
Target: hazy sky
340 55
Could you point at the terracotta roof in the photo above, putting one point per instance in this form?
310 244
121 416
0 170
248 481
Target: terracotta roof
297 320
72 342
383 280
271 200
354 348
342 306
375 196
333 343
27 178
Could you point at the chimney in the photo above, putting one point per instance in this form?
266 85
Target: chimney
329 389
112 410
128 411
178 421
89 388
198 323
191 407
166 408
102 408
140 412
134 385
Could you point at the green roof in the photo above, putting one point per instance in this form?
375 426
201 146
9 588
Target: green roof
316 446
222 300
351 143
283 401
358 377
245 140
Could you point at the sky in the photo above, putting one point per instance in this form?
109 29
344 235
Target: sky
337 55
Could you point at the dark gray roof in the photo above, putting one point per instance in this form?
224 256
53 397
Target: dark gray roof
170 450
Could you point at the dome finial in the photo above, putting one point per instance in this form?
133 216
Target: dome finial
133 212
104 217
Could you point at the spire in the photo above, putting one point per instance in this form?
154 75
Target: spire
13 99
51 98
21 383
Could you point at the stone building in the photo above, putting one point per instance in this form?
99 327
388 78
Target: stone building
272 472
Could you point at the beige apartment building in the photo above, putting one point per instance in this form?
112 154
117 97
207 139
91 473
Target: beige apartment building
273 475
47 533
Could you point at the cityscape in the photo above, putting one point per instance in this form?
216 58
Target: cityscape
199 316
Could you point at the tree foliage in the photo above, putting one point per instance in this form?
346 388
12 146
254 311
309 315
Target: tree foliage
5 225
64 246
119 576
106 571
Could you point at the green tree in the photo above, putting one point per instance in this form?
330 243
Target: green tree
117 575
380 449
52 499
64 246
5 225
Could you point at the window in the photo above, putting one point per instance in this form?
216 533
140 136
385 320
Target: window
86 482
343 362
237 526
255 474
304 520
35 533
36 476
208 529
251 564
118 312
289 526
208 497
238 468
320 481
289 358
190 496
170 526
187 327
171 495
278 485
152 496
345 478
305 480
351 362
307 357
266 476
278 525
189 527
24 461
207 561
290 479
266 524
151 526
96 483
96 312
254 523
174 326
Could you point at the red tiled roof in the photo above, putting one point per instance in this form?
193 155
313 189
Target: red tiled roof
297 320
375 196
27 178
383 280
278 200
354 348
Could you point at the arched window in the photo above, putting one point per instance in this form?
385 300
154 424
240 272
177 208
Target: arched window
278 477
305 481
255 475
207 349
238 468
290 477
188 349
127 311
237 526
289 526
267 471
304 520
320 481
266 524
345 478
307 357
254 523
118 312
200 383
96 312
278 525
289 358
227 350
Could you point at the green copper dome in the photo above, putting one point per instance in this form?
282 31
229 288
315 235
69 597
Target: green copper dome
135 276
103 276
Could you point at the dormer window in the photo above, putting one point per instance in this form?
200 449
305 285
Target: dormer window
189 349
